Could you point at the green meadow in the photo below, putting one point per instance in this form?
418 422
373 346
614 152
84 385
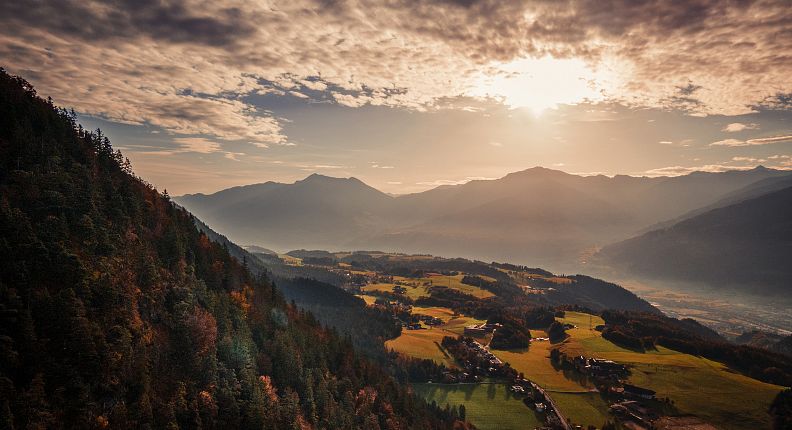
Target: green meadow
696 385
488 406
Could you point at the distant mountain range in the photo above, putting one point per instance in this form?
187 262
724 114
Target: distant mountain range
537 216
747 244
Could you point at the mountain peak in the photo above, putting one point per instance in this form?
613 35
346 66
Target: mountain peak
318 178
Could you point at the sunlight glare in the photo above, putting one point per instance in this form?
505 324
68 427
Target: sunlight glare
541 83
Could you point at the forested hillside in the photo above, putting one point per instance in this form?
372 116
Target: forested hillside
116 312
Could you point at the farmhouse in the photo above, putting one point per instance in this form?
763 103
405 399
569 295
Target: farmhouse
475 330
643 393
481 329
599 368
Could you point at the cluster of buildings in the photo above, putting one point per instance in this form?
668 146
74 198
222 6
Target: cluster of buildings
632 411
478 359
480 330
600 368
535 397
429 320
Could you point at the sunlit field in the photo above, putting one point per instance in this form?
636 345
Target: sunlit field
488 406
696 385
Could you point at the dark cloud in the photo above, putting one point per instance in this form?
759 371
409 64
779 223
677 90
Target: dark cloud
96 22
192 60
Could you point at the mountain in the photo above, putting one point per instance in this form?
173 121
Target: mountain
537 216
753 190
117 312
260 250
769 341
317 212
746 245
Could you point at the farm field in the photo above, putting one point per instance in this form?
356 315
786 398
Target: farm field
455 282
488 406
422 344
696 385
535 363
417 287
444 314
574 400
426 343
582 408
368 299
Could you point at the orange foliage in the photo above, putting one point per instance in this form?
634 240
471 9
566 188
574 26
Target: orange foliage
203 328
270 391
243 298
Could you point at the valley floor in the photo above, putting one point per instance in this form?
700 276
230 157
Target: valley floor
694 385
729 313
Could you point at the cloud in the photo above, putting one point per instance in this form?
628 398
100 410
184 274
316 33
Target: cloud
783 161
682 170
738 126
728 142
441 182
197 144
233 155
753 142
683 143
189 66
749 160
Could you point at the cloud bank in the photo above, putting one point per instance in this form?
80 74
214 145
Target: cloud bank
190 66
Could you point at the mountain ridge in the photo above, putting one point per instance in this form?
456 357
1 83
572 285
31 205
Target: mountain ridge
748 243
534 216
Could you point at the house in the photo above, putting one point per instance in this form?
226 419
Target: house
605 368
540 407
643 393
475 330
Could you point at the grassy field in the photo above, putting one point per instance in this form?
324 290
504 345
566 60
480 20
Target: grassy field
422 344
455 282
426 343
576 401
697 386
444 314
582 408
368 299
418 287
535 363
488 406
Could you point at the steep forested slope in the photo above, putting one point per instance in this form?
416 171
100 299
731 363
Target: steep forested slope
116 312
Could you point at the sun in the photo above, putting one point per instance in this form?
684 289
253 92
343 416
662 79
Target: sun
542 83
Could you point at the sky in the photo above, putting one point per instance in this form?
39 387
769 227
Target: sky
407 95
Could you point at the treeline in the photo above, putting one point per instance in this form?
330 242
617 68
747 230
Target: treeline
645 331
116 312
596 294
367 328
501 288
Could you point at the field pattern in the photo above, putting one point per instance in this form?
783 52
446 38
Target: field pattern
488 406
696 385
